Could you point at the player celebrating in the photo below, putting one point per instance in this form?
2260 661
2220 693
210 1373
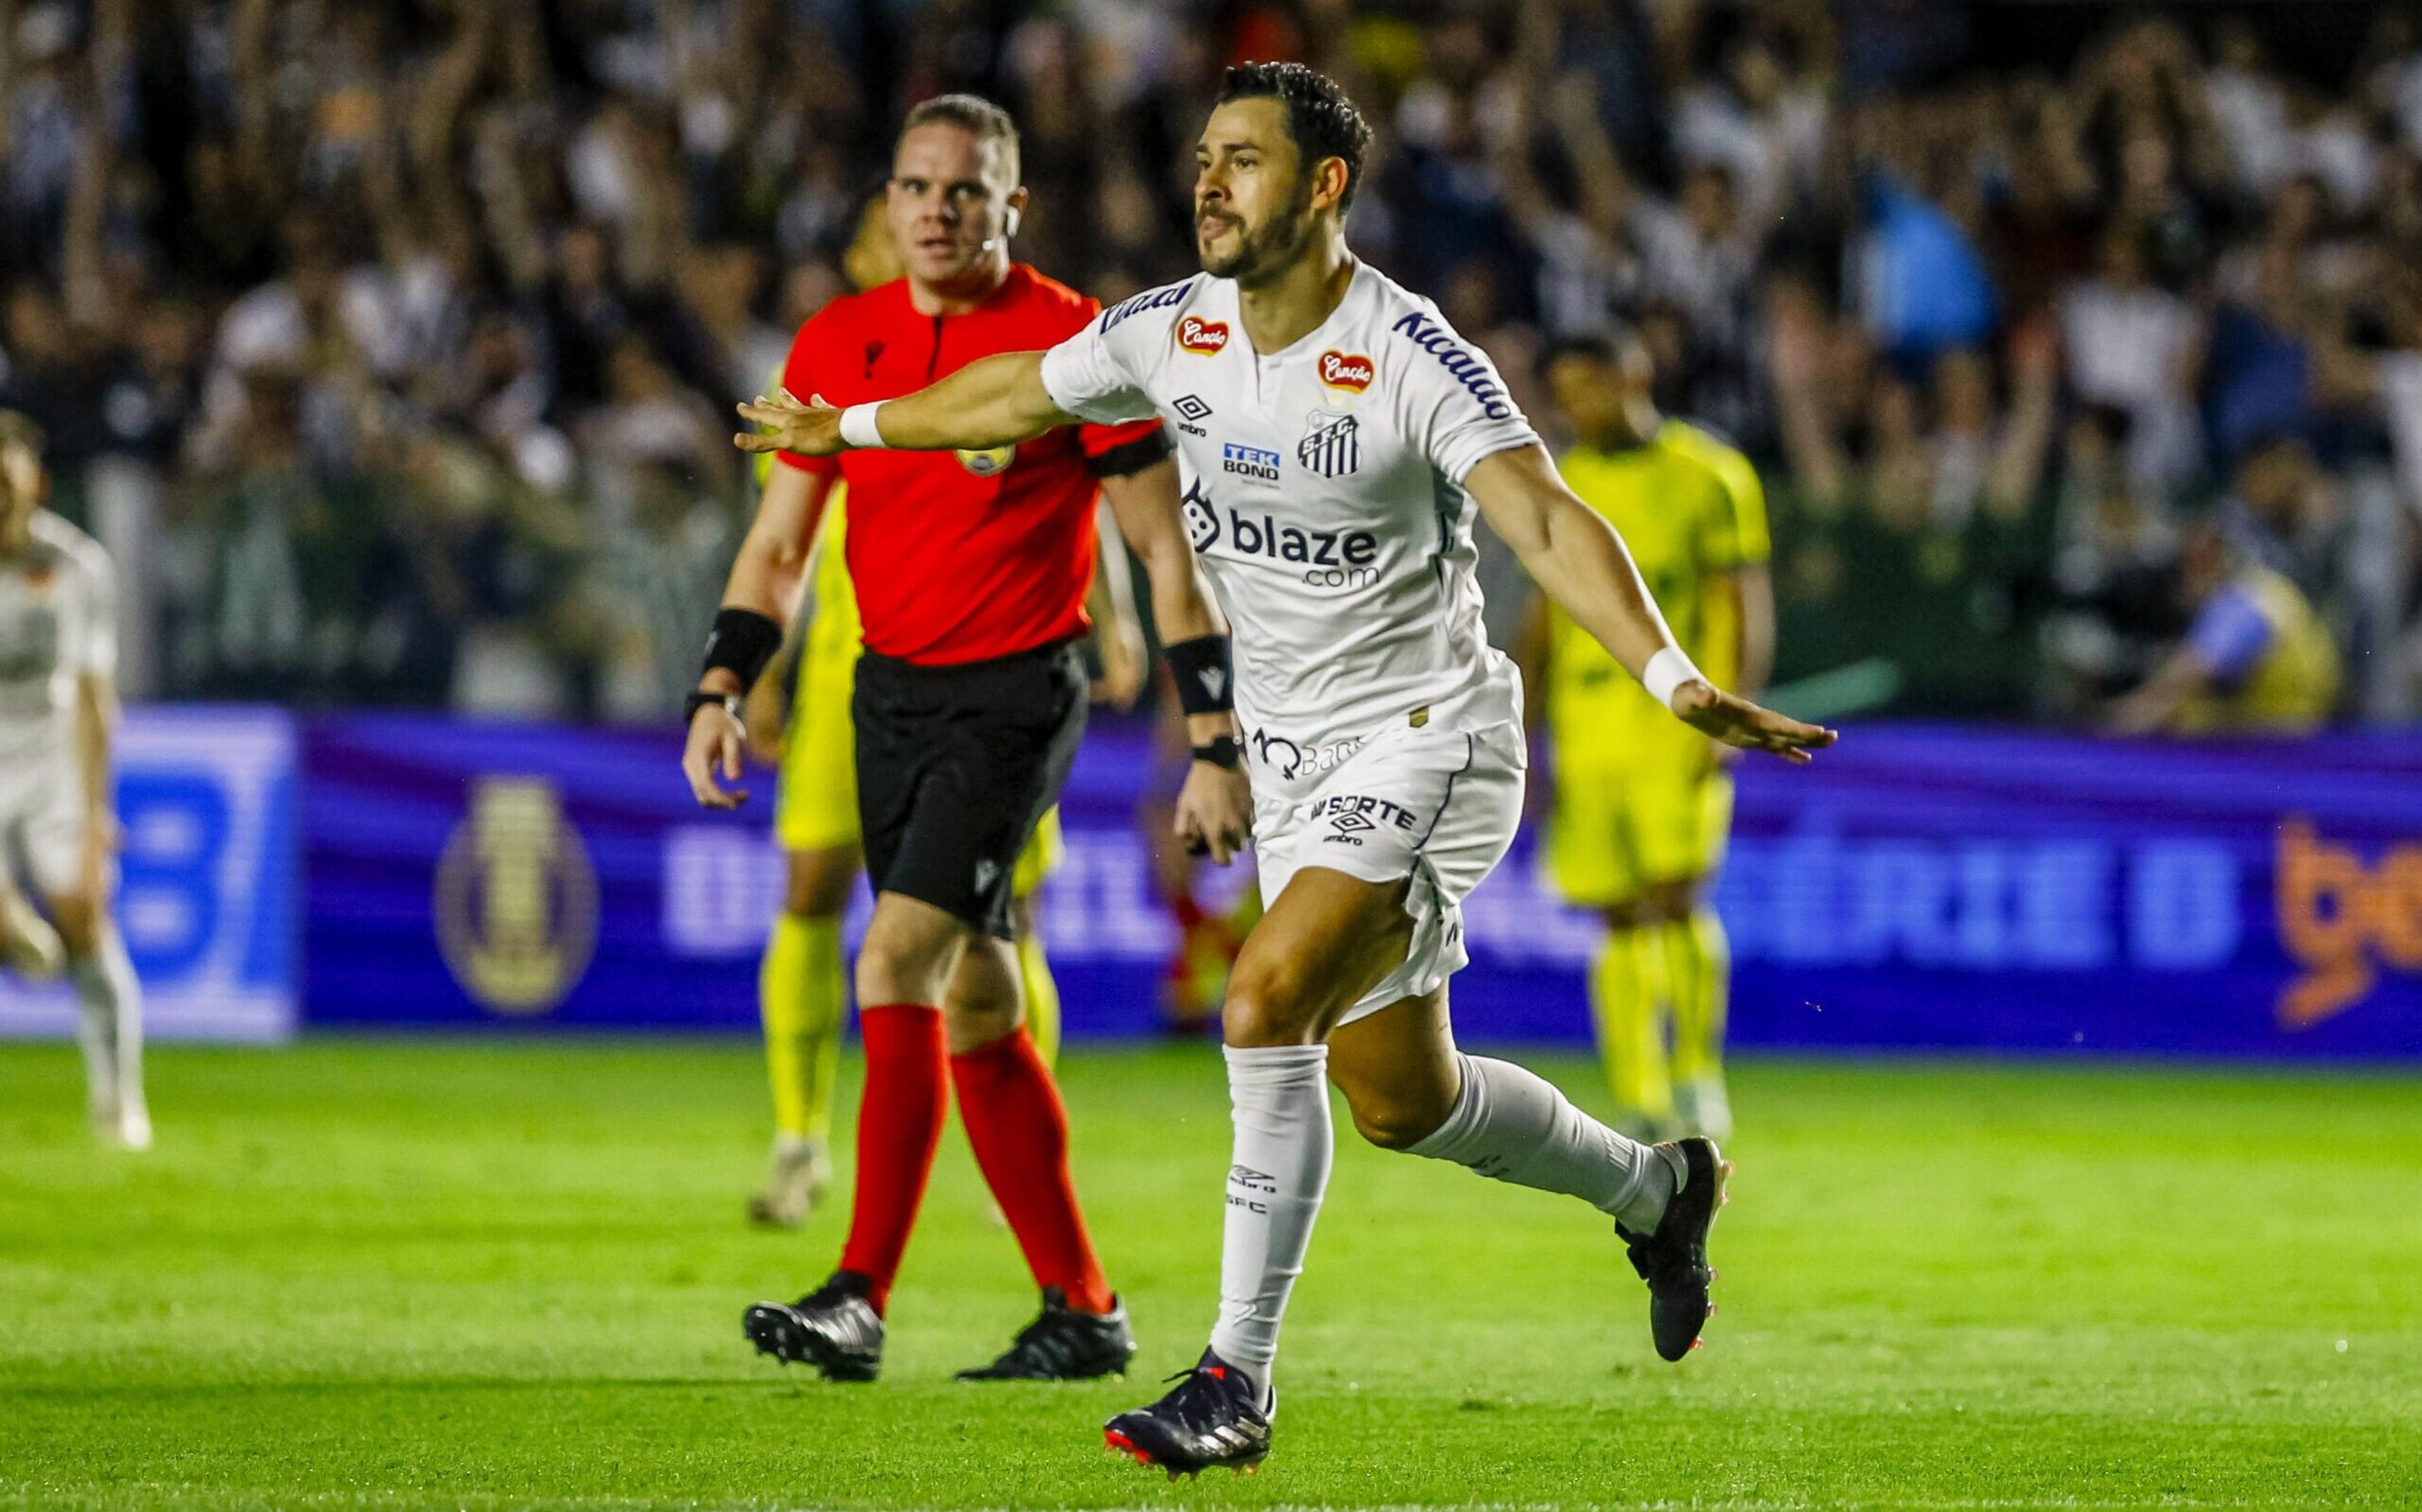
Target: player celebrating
1337 436
971 575
58 708
802 992
1643 803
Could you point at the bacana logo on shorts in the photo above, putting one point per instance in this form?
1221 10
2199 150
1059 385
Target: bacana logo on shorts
1345 371
1205 338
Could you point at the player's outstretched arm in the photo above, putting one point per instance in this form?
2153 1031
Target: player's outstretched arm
1582 563
995 401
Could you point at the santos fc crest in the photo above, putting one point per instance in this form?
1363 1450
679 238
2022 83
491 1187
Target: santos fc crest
1331 445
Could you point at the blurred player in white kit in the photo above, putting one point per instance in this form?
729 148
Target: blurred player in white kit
58 830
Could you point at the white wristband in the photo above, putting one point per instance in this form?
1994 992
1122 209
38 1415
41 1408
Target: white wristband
1668 670
858 427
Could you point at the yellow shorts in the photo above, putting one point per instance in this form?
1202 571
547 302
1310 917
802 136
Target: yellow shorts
1619 829
815 802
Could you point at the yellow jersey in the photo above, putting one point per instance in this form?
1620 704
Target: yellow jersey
2288 683
1691 508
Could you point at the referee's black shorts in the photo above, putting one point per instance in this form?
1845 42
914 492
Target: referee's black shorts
956 766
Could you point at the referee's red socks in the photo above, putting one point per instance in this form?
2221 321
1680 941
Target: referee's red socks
899 1127
1019 1131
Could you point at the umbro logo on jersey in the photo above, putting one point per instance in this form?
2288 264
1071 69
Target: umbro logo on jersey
1190 407
1346 370
1250 462
1331 445
1205 338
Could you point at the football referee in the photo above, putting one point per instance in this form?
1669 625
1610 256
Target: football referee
970 569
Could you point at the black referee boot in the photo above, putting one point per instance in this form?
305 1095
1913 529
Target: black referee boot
833 1328
1062 1344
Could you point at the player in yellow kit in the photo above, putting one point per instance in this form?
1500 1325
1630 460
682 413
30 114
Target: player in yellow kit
1643 803
802 991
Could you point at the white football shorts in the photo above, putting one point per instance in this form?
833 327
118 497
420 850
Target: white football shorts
41 821
1438 805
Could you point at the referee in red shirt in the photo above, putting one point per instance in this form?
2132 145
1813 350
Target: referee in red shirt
970 571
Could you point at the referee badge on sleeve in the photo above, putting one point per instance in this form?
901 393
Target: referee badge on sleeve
1331 445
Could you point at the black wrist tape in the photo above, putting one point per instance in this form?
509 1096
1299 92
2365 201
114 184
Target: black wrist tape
742 642
1207 684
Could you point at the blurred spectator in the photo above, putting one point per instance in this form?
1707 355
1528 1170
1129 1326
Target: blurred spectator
2255 658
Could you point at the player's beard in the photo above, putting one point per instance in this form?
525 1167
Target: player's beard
1262 253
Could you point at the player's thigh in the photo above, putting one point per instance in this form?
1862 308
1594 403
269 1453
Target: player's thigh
1593 851
1682 815
1328 939
1398 1069
1044 849
47 836
815 804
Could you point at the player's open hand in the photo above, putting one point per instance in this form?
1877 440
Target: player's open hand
715 741
810 430
1737 722
1214 812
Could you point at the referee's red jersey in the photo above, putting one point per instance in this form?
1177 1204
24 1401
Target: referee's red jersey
962 557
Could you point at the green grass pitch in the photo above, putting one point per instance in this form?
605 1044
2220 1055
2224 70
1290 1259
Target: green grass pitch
378 1274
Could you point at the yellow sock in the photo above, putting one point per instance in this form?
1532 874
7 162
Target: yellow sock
1625 990
800 996
1041 996
1698 958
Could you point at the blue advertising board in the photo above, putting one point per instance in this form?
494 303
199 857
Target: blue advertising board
207 866
1918 887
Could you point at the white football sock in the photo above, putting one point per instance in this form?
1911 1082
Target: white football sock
1510 1125
1278 1098
109 1024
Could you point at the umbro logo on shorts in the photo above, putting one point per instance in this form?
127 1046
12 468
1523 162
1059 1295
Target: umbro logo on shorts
1347 829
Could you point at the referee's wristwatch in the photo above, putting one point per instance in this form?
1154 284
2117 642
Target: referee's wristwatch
1220 752
699 698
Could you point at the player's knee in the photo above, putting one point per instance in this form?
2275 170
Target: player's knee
1400 1119
77 921
816 884
1268 1002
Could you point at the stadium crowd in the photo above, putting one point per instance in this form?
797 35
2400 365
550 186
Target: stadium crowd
390 345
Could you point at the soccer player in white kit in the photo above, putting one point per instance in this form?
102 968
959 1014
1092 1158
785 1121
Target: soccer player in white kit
58 706
1335 436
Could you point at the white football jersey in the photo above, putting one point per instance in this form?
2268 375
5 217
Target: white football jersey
1324 494
57 622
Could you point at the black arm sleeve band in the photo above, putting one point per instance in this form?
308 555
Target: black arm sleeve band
1132 455
1205 682
744 641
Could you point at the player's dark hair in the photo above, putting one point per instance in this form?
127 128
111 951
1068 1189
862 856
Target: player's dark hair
973 114
1610 347
18 430
1320 120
